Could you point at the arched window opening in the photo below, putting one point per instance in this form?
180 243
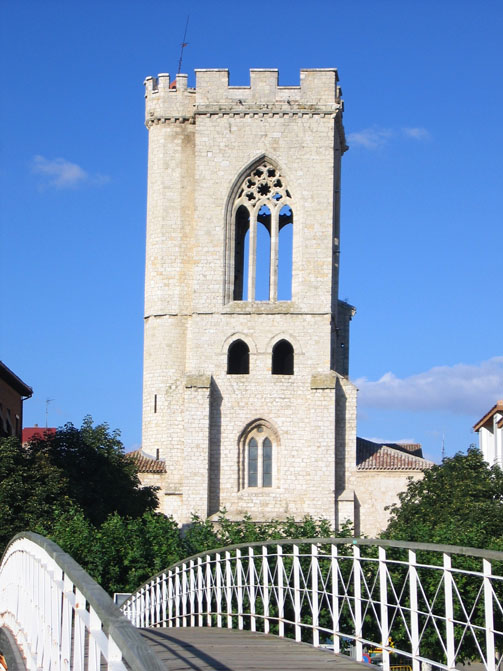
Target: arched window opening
238 358
259 458
262 263
266 463
282 358
252 463
241 253
285 253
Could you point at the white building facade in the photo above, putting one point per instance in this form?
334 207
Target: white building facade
490 430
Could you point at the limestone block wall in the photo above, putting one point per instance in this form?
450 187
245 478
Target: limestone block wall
374 491
202 143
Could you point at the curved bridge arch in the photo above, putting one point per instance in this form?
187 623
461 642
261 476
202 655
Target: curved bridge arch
374 593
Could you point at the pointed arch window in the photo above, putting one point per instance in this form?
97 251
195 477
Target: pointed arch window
238 358
261 234
259 457
282 358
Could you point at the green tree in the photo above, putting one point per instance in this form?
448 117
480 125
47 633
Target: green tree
32 489
459 502
100 478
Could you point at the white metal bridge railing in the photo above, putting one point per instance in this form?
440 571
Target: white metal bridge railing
60 617
409 602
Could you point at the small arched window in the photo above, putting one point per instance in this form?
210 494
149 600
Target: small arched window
238 358
282 358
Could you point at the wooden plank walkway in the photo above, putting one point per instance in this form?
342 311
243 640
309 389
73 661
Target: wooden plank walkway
212 649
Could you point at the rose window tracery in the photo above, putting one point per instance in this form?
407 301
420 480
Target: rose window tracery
262 248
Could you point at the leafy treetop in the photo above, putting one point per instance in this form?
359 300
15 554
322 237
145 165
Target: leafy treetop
459 502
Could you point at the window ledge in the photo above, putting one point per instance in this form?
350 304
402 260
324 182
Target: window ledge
259 307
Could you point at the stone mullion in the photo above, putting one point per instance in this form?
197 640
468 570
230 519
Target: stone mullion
252 255
273 272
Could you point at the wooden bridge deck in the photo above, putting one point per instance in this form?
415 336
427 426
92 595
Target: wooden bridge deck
211 649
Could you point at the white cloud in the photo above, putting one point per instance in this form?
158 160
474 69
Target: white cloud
459 389
370 138
375 137
389 441
417 133
62 174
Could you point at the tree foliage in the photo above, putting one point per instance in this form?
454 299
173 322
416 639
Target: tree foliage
203 535
73 469
32 488
459 502
100 479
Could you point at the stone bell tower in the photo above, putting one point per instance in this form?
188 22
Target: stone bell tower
246 395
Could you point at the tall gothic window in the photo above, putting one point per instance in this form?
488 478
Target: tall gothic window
262 233
259 457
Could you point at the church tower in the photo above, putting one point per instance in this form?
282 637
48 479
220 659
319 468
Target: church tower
246 395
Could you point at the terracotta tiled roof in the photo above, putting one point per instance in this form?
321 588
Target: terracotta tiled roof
145 463
389 457
30 432
489 415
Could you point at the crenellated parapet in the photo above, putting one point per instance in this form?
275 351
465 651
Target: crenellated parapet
173 101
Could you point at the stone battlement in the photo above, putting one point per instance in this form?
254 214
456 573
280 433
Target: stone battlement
318 93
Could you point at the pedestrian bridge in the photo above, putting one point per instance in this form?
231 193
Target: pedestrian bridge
284 604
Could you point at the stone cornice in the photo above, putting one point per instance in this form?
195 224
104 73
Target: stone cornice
256 111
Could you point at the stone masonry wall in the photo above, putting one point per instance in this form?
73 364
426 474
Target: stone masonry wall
201 143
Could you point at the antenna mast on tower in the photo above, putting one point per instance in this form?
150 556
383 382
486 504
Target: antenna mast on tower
183 45
47 401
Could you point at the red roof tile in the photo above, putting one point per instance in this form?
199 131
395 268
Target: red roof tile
393 457
30 432
145 463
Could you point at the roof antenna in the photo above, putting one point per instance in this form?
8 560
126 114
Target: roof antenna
47 401
443 446
183 45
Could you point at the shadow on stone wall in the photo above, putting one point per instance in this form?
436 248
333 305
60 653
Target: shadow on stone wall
215 447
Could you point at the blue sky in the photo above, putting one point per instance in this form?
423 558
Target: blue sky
421 195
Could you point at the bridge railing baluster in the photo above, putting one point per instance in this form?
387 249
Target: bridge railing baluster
93 655
208 590
265 588
239 588
218 587
185 590
315 567
171 598
335 598
489 609
280 576
79 632
192 592
252 588
383 605
158 601
66 623
177 596
296 592
414 613
449 612
200 592
357 591
228 588
164 599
